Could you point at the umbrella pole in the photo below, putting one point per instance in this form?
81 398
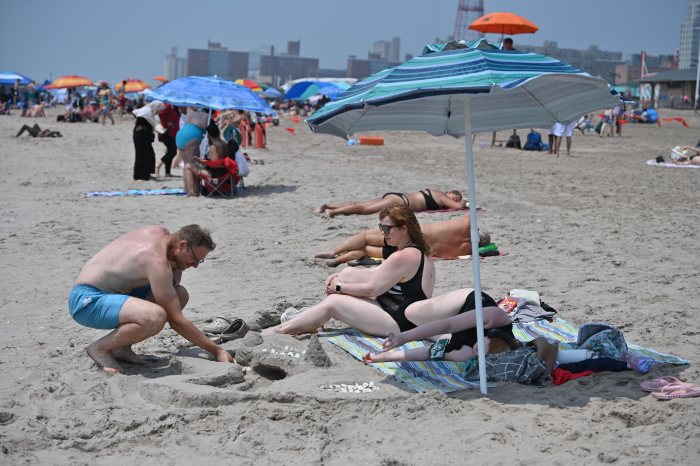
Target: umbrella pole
471 186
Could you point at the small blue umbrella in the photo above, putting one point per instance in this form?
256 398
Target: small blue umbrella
271 93
210 92
463 90
10 77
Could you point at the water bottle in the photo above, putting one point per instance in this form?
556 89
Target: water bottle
639 363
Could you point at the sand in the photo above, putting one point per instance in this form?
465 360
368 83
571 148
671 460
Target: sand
600 235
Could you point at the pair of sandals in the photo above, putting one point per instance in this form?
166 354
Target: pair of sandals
669 388
219 330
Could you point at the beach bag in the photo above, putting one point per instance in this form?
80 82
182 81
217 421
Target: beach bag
598 127
243 168
534 141
514 142
605 341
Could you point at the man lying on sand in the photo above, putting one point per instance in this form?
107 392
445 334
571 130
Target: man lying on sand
450 238
420 201
133 286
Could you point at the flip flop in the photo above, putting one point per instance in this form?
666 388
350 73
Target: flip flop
217 325
677 390
365 261
659 383
236 330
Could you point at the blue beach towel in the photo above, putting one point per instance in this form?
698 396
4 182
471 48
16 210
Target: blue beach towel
445 376
138 192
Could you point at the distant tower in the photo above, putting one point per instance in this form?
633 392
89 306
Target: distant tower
468 11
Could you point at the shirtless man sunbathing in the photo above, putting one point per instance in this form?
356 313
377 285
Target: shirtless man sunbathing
133 286
419 201
450 238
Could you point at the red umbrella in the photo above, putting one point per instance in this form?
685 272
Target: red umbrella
503 23
132 85
161 78
70 81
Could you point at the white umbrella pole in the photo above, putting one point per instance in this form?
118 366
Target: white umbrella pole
471 185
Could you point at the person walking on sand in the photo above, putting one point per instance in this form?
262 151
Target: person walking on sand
133 286
420 201
106 103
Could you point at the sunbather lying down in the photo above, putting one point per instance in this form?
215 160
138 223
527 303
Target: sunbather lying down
36 132
420 201
450 319
450 238
685 155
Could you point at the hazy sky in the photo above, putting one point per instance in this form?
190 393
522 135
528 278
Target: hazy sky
126 38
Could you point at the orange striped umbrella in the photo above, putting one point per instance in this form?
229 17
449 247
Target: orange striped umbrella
503 23
70 81
132 85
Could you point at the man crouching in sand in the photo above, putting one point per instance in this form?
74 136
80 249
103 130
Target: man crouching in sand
133 286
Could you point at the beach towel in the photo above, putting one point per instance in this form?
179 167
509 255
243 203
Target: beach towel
669 165
446 376
138 192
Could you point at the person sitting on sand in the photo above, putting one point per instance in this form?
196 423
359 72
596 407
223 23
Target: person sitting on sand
420 201
450 238
453 316
686 155
133 286
37 110
36 132
373 300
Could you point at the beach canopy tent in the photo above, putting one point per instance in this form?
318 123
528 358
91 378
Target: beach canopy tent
132 85
210 92
8 78
306 89
461 91
70 81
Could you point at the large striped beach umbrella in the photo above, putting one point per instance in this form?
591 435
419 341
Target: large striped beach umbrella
70 81
461 91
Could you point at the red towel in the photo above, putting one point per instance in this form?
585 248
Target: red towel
562 376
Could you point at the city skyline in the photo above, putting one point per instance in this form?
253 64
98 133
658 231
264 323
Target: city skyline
71 38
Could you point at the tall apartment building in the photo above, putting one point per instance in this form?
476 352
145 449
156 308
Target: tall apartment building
217 60
386 50
174 66
690 37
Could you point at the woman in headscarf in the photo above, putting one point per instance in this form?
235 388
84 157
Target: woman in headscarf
145 157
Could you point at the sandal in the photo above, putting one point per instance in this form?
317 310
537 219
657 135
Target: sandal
236 330
217 325
658 383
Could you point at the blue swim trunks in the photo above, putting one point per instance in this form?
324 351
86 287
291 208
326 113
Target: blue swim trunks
92 307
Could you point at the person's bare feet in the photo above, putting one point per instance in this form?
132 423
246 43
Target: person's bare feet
320 210
325 255
126 354
105 360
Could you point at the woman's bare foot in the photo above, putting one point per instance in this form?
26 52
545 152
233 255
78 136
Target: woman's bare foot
160 164
325 255
126 354
105 360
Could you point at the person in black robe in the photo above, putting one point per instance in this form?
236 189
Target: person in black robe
145 161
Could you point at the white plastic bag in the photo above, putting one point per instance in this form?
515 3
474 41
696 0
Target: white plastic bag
243 168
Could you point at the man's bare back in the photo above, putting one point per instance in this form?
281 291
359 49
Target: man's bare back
122 265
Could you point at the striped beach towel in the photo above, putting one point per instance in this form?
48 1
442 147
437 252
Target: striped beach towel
138 192
446 376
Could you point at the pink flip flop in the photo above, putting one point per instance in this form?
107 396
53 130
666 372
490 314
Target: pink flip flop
677 390
657 384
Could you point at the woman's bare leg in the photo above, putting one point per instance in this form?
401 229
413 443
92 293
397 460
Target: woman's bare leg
361 313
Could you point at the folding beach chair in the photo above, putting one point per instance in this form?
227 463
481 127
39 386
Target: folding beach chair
226 184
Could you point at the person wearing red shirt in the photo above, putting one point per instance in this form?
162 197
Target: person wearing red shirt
170 121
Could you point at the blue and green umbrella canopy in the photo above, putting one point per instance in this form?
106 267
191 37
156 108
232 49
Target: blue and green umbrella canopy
506 90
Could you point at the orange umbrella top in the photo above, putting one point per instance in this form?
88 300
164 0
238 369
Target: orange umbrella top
503 23
161 78
250 84
132 85
70 81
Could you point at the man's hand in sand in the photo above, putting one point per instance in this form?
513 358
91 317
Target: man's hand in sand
224 356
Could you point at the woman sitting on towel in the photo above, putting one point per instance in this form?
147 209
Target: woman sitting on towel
373 300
